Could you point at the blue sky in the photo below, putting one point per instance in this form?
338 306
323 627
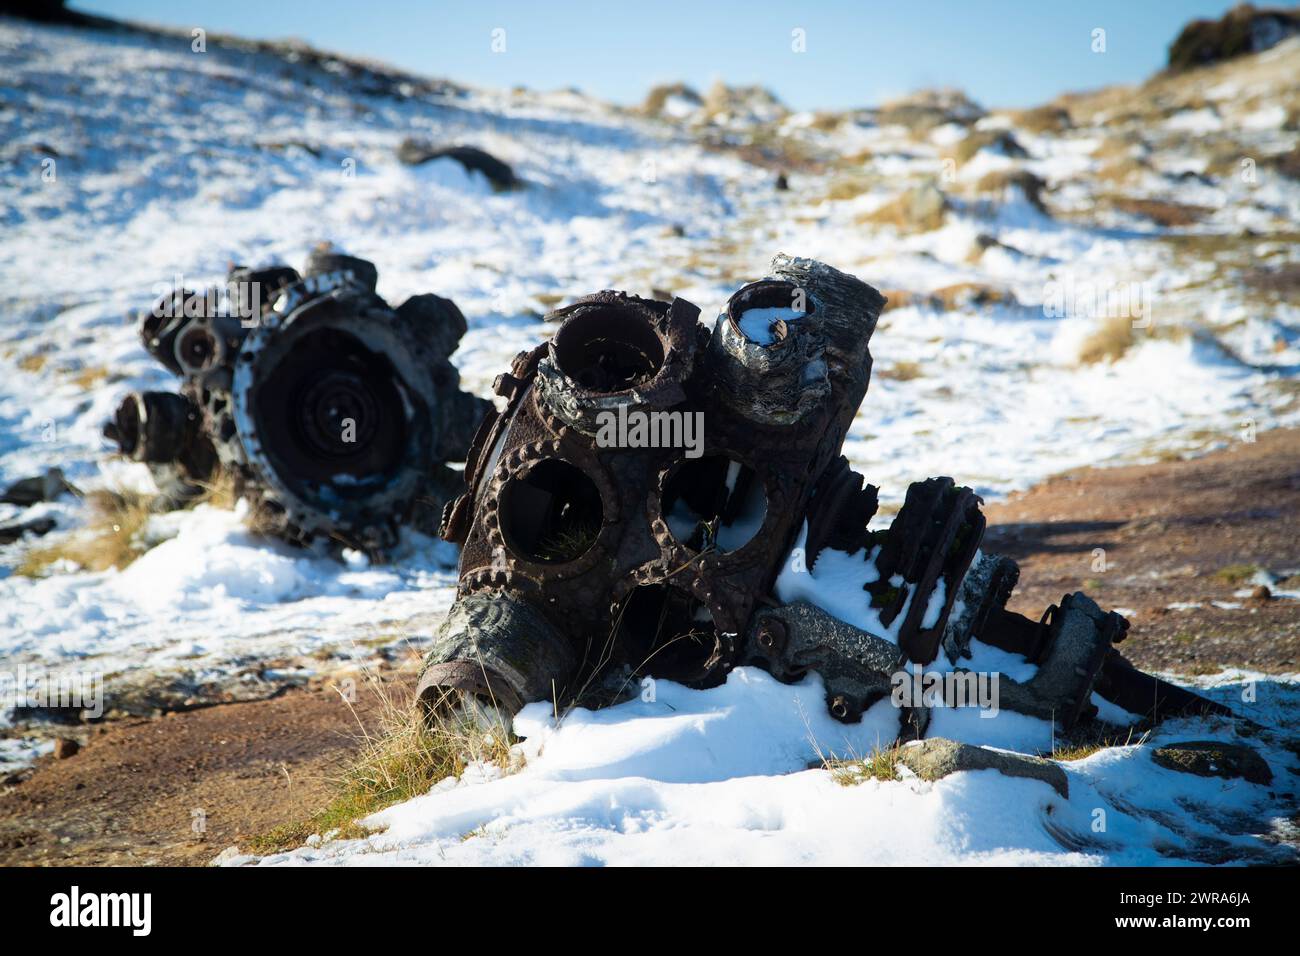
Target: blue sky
1002 52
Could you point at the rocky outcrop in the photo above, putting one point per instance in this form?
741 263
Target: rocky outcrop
497 172
936 757
1243 29
1211 758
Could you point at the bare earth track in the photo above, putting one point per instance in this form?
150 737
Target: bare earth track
1180 532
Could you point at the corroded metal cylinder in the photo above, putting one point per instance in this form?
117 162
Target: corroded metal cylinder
646 478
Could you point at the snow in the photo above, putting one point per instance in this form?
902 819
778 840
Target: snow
173 163
721 777
756 324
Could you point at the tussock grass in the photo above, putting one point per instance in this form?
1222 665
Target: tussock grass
1094 738
658 96
999 140
568 544
848 187
220 492
880 764
1069 752
401 758
1109 341
114 536
922 209
1162 212
1042 119
1237 573
902 371
1122 171
972 295
999 181
90 376
111 538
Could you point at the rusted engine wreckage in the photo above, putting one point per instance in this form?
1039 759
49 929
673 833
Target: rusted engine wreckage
593 558
333 413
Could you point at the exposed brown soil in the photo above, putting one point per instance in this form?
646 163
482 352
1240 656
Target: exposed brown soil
134 791
1169 530
1175 532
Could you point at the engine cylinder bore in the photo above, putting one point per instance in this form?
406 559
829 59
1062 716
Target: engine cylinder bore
198 348
664 631
766 353
153 426
609 349
764 311
614 350
689 541
552 513
713 503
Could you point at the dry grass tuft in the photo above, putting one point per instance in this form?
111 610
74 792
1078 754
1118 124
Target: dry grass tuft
904 371
848 187
659 96
114 536
1109 341
881 764
1068 752
89 377
111 538
1000 181
972 295
1162 212
400 760
1043 119
1235 574
1122 171
922 209
998 140
220 492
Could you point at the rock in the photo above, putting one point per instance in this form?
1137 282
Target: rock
13 530
1260 594
1000 142
935 758
1211 758
65 747
926 109
28 491
1242 30
498 173
230 856
674 100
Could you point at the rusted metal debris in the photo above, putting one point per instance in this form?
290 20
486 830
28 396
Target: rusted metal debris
333 412
588 565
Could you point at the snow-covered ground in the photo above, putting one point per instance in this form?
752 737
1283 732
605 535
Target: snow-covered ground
130 160
723 777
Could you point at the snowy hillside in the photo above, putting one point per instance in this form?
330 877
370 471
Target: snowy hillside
129 160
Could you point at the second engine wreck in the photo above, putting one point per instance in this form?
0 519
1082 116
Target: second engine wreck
332 412
593 559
